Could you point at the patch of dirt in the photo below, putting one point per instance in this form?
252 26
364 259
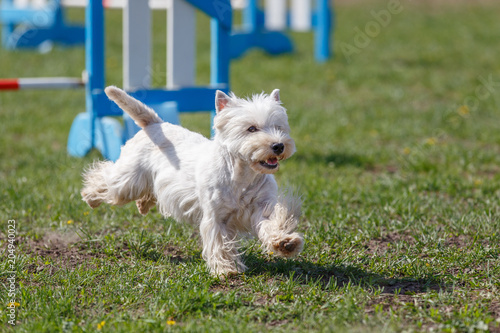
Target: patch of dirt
467 241
69 251
62 249
387 302
459 241
174 254
380 245
229 283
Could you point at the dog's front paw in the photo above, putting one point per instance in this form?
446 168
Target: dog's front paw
226 275
289 246
225 268
228 272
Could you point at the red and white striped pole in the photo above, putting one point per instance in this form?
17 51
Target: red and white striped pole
41 83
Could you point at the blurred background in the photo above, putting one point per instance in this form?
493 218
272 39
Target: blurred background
398 141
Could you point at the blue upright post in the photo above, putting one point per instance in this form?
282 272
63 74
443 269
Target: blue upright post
322 31
93 129
219 68
94 58
87 129
250 22
220 57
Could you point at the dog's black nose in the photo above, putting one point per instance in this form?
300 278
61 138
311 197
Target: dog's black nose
278 148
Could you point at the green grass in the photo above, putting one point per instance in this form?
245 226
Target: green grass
399 177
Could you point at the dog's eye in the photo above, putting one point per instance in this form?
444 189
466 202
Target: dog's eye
252 129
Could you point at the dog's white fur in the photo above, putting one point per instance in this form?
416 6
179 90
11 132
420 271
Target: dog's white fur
225 185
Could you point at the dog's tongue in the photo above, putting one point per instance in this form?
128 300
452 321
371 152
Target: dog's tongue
272 161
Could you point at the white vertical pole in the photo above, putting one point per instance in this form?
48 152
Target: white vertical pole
136 45
21 3
239 4
181 38
39 3
301 14
275 15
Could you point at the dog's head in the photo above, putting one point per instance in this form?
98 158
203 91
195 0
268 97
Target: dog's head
255 130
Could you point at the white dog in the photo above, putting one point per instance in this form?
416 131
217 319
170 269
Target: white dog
225 185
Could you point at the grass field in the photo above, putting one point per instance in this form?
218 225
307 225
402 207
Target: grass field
398 165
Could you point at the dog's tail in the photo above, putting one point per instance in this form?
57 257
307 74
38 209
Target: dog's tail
142 115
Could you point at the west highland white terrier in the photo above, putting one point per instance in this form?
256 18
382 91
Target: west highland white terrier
224 185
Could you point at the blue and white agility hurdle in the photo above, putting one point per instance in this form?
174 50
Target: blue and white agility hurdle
263 28
96 128
32 24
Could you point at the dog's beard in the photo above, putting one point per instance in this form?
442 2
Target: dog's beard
269 166
263 160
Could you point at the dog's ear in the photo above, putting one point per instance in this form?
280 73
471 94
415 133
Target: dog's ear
221 100
276 95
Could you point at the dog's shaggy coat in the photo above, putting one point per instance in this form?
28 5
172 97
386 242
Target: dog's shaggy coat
225 185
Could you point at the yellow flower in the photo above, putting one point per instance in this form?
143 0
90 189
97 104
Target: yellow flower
463 110
478 182
85 213
170 322
101 325
271 253
70 221
431 141
13 303
406 150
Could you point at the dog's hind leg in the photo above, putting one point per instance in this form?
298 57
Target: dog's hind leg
116 184
95 190
145 203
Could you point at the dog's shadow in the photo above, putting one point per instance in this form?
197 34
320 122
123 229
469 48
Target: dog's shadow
337 276
328 275
164 144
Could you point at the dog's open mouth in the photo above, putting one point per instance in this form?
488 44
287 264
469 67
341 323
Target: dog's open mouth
270 163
